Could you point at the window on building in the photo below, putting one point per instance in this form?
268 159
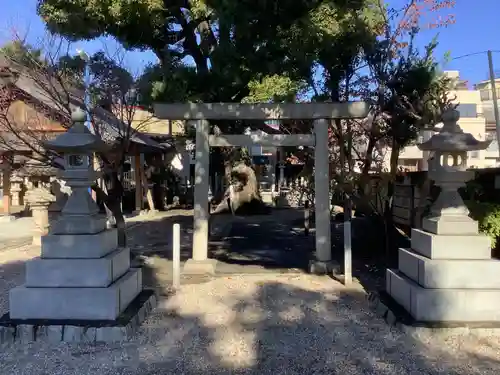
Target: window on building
486 94
467 110
474 154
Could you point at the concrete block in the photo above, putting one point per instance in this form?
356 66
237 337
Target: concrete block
200 267
445 305
450 225
397 291
60 273
79 224
25 333
54 333
111 334
72 333
89 334
130 287
450 273
79 245
450 246
78 334
75 303
7 334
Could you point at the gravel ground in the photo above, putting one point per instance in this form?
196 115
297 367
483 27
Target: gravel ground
253 324
266 324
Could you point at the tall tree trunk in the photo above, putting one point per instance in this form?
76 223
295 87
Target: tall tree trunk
113 200
390 229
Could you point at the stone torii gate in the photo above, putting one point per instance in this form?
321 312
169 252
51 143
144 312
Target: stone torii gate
321 113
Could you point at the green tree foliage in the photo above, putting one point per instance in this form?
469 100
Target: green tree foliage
231 43
22 53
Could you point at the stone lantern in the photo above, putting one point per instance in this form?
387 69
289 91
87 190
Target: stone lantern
80 213
81 273
448 275
448 170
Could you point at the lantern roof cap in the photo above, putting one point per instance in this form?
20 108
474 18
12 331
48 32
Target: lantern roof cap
451 138
78 138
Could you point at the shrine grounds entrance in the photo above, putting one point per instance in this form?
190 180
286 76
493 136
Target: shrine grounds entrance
320 113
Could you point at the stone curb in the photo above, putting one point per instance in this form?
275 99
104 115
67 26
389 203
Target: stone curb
384 312
27 333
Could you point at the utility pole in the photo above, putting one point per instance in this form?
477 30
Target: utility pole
494 96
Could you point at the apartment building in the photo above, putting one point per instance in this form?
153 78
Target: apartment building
471 121
486 95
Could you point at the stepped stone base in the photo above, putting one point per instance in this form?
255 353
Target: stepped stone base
320 267
87 273
200 267
395 315
451 225
434 246
91 331
71 246
443 305
79 224
77 303
450 273
7 218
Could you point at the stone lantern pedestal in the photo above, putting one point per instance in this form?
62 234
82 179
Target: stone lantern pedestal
82 288
448 275
39 200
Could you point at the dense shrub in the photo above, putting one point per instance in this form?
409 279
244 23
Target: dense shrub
488 216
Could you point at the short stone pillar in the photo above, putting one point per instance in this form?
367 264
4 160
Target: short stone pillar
39 200
16 189
81 273
447 275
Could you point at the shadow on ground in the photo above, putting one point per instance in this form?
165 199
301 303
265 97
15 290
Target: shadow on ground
284 326
274 242
253 244
369 259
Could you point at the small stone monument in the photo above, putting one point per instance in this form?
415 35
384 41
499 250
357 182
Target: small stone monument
448 275
16 190
81 279
39 200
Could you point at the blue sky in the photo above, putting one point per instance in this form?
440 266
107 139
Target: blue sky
476 30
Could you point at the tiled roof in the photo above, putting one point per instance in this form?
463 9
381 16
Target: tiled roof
110 126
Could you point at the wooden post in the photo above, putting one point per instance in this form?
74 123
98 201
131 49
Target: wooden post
176 256
348 240
145 187
138 181
306 217
6 169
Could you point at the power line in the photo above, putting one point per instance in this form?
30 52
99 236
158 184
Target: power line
473 54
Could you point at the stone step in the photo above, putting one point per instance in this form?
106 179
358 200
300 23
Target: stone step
435 246
77 303
450 273
71 273
443 305
66 246
450 225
